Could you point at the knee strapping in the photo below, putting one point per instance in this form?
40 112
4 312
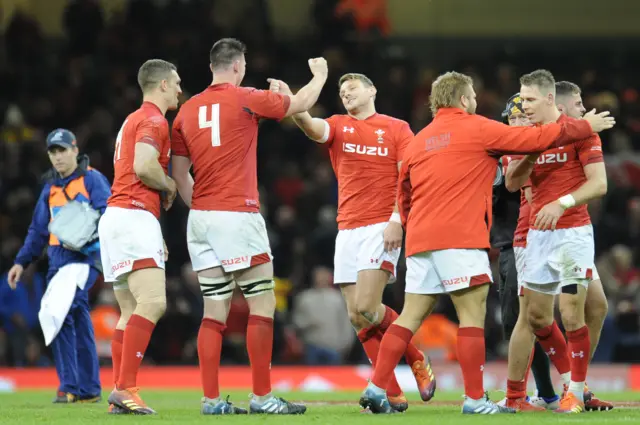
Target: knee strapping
217 288
253 287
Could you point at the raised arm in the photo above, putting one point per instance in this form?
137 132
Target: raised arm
502 139
308 95
316 129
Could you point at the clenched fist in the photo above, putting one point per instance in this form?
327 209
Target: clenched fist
318 67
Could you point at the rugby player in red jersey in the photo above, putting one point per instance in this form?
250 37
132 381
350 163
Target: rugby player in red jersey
366 151
132 248
216 131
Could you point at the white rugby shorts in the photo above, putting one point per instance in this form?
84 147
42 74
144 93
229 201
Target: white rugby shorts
232 240
558 258
447 270
519 253
362 248
129 240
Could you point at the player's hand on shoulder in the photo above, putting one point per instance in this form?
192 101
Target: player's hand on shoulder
547 218
392 236
599 121
319 67
279 86
170 194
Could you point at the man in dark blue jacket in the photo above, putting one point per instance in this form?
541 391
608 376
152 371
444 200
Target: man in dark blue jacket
74 348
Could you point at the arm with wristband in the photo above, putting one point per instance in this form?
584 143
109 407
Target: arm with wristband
595 186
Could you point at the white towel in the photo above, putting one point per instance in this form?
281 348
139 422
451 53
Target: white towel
57 301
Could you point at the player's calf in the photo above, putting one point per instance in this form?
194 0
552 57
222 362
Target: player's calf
470 305
368 297
217 289
595 313
572 302
147 286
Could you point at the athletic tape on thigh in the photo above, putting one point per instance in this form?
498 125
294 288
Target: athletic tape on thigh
255 287
216 287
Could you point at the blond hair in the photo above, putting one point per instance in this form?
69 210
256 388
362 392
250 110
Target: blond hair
355 76
541 78
447 89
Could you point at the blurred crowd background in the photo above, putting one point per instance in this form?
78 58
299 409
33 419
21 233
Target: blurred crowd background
81 75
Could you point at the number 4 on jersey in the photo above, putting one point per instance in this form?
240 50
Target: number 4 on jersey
213 123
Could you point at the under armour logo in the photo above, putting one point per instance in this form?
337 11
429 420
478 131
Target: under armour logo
139 355
347 129
481 368
580 354
551 352
375 260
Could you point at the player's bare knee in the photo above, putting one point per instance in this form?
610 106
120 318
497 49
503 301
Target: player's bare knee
152 307
471 306
596 308
572 314
357 320
538 318
366 309
262 303
126 303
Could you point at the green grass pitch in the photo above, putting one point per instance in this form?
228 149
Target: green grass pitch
178 407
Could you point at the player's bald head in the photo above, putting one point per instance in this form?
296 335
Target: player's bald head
447 90
152 72
225 51
542 79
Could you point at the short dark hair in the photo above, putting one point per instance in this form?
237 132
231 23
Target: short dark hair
225 51
565 88
355 76
152 72
541 78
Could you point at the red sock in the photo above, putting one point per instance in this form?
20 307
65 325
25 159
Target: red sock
516 389
209 348
116 353
260 349
371 338
412 354
471 356
392 347
554 344
526 375
579 345
134 343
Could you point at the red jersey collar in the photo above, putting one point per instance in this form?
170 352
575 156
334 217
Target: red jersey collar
219 86
151 105
375 114
450 111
